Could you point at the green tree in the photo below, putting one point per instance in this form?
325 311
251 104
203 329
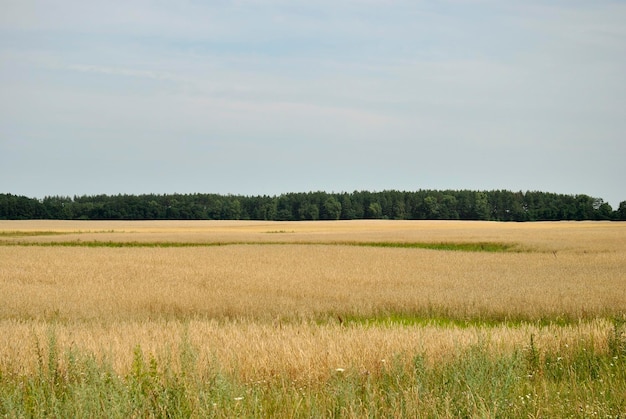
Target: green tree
347 210
231 209
374 210
266 209
332 209
481 206
398 208
604 211
448 208
621 211
585 209
309 211
431 208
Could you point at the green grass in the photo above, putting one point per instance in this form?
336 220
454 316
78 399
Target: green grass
444 317
120 244
448 246
461 246
439 320
30 233
528 382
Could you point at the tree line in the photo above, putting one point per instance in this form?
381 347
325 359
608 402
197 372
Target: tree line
497 205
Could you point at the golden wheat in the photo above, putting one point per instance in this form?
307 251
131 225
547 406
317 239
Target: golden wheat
252 351
543 236
253 308
289 281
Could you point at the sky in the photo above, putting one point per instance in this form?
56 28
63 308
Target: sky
252 97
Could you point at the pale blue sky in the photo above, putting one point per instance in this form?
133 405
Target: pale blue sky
265 97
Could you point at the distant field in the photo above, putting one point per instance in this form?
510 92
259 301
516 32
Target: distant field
541 236
320 315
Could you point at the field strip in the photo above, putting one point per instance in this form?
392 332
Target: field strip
11 234
451 246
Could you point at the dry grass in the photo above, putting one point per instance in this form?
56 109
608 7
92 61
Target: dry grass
250 351
306 282
543 236
259 310
284 281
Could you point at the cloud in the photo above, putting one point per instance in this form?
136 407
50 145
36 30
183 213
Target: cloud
123 72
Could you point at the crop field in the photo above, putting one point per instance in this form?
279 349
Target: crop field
373 318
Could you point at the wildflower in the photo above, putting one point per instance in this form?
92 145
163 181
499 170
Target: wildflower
340 370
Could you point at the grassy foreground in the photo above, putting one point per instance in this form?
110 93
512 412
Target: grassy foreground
582 380
360 319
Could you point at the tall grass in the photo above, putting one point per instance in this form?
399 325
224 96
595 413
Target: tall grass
583 381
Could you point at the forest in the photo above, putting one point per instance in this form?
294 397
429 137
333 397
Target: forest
496 205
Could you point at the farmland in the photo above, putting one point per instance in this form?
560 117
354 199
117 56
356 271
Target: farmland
343 319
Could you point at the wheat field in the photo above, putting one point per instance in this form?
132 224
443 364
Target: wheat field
300 302
269 271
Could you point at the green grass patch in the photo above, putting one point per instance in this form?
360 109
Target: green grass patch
445 246
451 246
120 244
32 233
445 319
